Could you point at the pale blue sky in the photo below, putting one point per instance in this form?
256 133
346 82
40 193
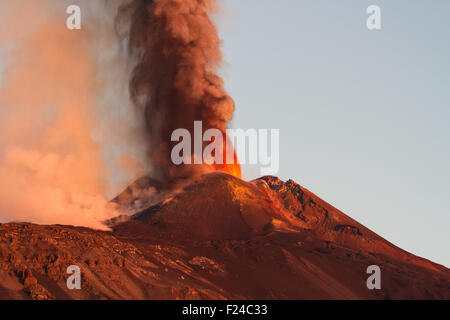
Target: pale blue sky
364 115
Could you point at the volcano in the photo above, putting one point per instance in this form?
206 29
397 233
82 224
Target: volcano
214 237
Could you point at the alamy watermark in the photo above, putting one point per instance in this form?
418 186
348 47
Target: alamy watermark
374 281
263 146
74 280
373 21
73 22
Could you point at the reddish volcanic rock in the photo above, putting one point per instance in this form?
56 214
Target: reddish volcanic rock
217 237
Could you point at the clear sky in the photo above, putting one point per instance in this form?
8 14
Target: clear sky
364 115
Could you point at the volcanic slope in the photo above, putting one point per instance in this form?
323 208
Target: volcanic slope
216 237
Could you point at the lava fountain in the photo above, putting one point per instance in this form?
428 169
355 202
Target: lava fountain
234 167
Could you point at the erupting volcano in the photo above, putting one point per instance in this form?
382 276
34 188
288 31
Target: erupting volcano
179 231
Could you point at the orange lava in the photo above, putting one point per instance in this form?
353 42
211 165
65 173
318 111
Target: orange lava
233 168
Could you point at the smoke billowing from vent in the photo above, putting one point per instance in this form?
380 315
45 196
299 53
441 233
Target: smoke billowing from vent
175 81
85 112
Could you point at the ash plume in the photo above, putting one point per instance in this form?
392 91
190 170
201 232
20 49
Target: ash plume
85 112
175 82
69 140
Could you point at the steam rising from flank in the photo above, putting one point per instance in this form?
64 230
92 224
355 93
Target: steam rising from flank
175 81
59 116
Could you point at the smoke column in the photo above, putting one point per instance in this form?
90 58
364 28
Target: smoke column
85 112
175 82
